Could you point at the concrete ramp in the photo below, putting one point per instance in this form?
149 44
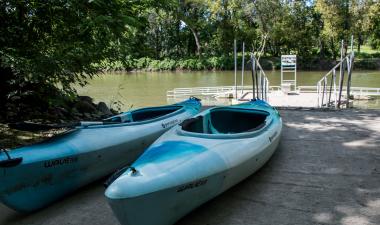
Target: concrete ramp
326 171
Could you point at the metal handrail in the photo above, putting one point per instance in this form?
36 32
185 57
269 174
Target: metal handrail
329 94
260 82
346 63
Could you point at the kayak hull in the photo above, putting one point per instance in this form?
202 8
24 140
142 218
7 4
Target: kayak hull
54 168
169 184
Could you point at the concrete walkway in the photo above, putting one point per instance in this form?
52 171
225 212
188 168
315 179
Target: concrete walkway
280 99
326 171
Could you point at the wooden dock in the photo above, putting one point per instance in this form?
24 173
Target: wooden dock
325 171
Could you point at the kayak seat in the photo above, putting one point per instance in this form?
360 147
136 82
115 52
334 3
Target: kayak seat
121 118
151 113
193 124
228 121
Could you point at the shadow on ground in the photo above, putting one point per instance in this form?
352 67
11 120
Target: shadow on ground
326 171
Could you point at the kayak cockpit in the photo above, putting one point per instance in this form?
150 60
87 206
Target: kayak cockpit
151 113
226 121
143 114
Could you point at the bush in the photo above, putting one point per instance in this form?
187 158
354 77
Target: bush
191 64
142 63
227 63
168 64
369 64
212 62
108 65
154 65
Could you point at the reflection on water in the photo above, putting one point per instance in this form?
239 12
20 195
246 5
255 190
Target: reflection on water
139 89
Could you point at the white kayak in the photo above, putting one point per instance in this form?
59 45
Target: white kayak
194 162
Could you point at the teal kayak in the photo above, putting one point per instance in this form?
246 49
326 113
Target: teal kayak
194 162
34 176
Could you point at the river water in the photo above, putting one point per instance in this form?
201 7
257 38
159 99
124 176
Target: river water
139 89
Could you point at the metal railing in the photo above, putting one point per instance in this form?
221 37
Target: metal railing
228 91
365 91
260 82
260 87
200 91
329 93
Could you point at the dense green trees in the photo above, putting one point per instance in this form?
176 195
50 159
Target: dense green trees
59 38
195 28
46 46
373 25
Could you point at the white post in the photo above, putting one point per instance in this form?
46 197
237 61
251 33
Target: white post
242 72
282 76
335 94
318 91
235 68
295 75
325 88
259 85
341 65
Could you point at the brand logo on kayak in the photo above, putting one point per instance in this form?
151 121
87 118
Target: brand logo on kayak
171 123
273 136
192 185
60 162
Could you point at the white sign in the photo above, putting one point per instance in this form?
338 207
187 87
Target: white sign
288 60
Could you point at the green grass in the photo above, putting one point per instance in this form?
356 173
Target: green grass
367 52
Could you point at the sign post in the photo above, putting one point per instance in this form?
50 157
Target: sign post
289 65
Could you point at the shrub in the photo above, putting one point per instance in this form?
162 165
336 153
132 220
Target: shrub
168 64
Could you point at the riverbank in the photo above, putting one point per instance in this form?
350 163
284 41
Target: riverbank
227 63
12 138
33 125
325 171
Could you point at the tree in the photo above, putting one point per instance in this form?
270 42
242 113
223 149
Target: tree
359 11
373 25
190 14
337 22
46 46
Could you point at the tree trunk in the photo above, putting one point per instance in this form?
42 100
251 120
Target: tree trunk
157 48
333 48
195 34
321 49
359 42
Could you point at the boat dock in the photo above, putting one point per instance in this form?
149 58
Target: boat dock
333 90
325 171
306 96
